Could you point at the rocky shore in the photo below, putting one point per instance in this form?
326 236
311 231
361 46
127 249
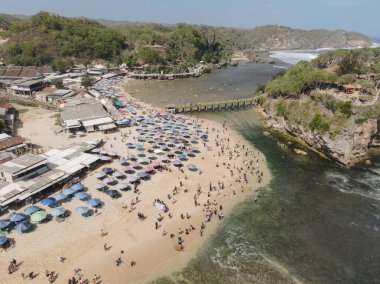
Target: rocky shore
351 146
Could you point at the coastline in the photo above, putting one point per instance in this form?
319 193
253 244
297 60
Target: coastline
79 240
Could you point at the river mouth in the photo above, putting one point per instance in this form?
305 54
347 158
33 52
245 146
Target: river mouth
316 223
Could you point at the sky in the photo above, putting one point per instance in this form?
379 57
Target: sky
352 15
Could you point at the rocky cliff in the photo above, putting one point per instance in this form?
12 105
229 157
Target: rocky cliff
347 148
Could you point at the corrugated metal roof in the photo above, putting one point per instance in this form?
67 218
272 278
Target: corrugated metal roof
97 121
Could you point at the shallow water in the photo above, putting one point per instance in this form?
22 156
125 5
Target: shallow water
314 223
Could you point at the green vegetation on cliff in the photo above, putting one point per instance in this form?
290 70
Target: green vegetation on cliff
328 94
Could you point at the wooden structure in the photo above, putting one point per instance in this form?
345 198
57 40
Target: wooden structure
217 105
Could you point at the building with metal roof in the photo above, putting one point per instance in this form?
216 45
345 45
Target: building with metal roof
86 113
27 175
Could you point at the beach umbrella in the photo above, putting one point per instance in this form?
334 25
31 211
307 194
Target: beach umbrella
131 179
192 167
3 240
143 162
131 157
130 145
156 164
182 157
109 180
122 186
78 186
118 174
4 224
123 161
136 165
151 156
100 175
113 193
23 226
148 169
141 154
128 169
48 201
142 175
94 202
177 163
99 186
57 211
107 170
38 216
82 210
31 209
68 191
17 217
60 196
158 151
81 195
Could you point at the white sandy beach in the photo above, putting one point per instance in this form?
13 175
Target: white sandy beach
78 239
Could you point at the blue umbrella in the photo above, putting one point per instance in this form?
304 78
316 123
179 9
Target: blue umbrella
69 191
99 186
182 157
4 224
113 193
48 201
3 240
82 210
94 202
81 195
107 170
17 217
60 196
77 186
100 175
58 211
31 209
109 180
23 226
122 186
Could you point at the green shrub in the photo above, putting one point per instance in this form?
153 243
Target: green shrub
319 124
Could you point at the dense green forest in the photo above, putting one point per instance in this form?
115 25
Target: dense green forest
51 39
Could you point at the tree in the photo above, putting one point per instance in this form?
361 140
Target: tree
59 84
86 81
319 124
347 79
130 60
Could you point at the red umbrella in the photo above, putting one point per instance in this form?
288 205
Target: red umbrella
127 169
135 165
148 169
156 164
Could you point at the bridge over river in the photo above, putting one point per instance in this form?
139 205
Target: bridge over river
215 105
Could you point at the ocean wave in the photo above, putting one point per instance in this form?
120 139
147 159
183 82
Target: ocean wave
366 183
280 67
241 255
293 57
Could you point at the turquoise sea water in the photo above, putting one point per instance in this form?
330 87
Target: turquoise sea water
314 223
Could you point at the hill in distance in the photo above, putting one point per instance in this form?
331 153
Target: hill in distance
52 39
